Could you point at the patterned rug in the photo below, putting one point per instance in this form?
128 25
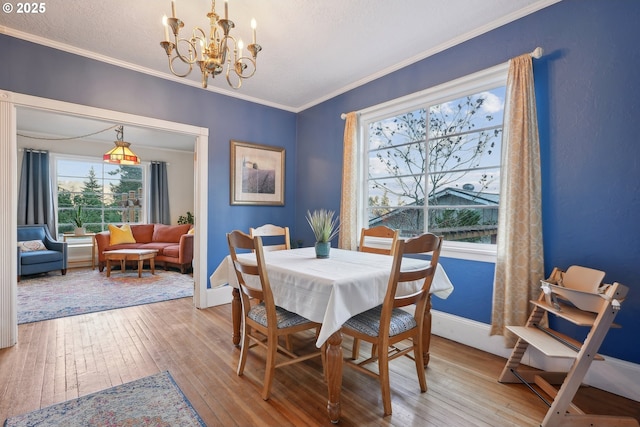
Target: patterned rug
151 401
81 291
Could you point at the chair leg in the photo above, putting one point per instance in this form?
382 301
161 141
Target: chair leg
269 371
244 349
355 351
420 368
287 342
385 387
64 271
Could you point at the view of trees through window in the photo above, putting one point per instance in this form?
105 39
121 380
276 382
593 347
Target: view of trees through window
105 193
437 168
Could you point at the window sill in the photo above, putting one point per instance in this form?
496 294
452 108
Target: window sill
469 251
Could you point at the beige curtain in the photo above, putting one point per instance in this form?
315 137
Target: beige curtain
348 233
519 265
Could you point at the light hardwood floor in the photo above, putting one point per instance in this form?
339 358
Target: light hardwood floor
61 359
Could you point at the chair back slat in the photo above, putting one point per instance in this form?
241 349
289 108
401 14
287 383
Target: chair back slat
426 244
382 235
239 240
269 231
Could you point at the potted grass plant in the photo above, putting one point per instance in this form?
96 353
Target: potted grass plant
78 221
325 227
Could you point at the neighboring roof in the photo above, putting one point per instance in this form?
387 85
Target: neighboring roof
469 195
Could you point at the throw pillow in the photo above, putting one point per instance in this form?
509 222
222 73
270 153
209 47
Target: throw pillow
169 233
192 231
120 235
143 233
32 245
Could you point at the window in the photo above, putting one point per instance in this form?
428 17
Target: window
107 193
431 162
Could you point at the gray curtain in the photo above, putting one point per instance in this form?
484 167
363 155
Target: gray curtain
159 194
35 198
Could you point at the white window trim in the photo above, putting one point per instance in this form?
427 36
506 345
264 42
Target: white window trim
473 83
53 172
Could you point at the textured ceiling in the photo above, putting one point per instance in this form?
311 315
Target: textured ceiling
312 49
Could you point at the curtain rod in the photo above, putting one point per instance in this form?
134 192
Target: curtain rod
536 54
33 150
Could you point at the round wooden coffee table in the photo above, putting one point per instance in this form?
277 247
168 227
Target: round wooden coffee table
124 255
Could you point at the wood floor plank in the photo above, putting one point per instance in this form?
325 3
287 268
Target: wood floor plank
61 359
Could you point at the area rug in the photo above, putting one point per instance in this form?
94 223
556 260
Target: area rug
151 401
83 291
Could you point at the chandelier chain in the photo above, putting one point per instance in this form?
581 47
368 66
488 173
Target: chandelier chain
67 138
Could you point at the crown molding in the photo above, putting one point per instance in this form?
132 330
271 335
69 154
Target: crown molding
442 47
128 65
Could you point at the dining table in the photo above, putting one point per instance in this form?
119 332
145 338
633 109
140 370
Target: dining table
329 291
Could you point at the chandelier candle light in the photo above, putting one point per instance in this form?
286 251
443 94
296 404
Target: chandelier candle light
212 53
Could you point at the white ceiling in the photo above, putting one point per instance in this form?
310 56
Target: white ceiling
37 123
312 49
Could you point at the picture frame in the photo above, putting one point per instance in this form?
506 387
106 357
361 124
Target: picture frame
256 174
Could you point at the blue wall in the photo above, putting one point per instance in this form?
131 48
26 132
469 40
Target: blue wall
587 96
48 73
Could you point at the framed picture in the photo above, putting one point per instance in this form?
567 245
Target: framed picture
257 174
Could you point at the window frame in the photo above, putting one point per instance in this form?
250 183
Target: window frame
489 78
55 157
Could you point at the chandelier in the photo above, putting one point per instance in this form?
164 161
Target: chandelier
121 154
211 54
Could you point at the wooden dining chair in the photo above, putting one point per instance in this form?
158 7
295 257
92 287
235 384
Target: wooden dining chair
269 231
264 322
384 239
379 240
274 233
386 325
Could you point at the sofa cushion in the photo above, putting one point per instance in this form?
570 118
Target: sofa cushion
169 233
172 251
120 235
40 257
32 245
158 246
121 246
143 233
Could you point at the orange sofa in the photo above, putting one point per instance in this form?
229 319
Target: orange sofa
173 243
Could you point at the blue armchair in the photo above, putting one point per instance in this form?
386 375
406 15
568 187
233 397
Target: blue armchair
52 257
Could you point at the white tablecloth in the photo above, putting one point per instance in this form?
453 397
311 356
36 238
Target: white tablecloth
330 290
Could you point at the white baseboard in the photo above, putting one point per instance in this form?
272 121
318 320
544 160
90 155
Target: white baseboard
612 375
218 296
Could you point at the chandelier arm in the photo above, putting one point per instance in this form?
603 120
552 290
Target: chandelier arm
230 82
174 72
193 53
200 39
241 66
